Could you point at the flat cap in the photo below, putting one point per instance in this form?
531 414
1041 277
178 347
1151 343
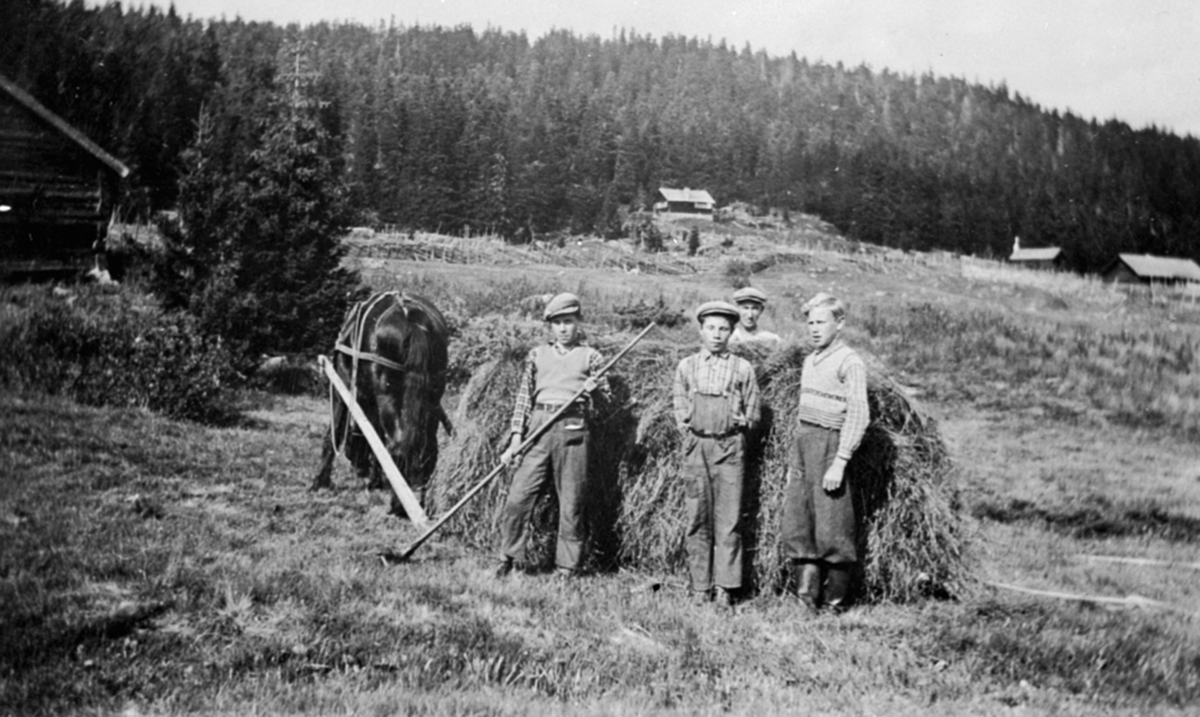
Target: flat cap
561 305
749 293
720 308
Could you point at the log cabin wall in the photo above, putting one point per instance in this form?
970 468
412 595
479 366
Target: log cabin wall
56 187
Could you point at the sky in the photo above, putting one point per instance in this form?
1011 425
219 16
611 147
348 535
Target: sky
1138 62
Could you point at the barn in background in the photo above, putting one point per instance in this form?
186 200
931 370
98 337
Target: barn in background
57 188
1049 257
684 201
1147 269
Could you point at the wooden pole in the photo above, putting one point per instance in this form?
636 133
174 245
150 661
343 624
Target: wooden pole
408 499
520 449
1135 601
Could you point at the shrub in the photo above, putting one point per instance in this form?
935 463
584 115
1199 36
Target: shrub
738 273
652 238
113 349
639 314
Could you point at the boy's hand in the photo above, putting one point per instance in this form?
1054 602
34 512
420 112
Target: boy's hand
739 420
835 475
589 384
511 452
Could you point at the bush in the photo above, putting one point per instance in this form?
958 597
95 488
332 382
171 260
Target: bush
113 349
738 273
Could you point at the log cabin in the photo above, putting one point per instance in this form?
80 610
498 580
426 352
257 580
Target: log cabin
57 188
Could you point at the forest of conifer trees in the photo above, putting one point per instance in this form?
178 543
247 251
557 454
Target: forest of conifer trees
462 130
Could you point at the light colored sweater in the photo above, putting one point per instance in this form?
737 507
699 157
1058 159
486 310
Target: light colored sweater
833 394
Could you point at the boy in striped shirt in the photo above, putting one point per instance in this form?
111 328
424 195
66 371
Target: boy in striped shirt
818 521
716 403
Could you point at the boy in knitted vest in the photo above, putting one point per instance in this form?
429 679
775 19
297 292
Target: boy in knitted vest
554 373
818 521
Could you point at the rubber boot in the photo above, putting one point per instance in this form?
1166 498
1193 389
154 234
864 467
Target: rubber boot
837 587
807 578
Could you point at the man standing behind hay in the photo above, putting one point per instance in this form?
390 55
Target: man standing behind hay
554 373
818 522
716 403
751 302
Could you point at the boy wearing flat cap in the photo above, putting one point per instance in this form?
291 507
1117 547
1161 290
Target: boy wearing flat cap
750 303
716 403
554 372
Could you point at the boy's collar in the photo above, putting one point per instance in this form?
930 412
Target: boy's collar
837 341
719 354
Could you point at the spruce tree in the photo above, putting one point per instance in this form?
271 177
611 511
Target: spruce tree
258 252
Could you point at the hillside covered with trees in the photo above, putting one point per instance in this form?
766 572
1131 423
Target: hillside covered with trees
458 129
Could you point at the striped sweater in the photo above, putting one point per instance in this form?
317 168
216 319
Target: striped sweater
833 394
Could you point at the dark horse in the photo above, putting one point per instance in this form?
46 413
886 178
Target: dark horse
391 353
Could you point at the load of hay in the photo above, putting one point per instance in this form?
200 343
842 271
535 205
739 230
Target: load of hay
914 532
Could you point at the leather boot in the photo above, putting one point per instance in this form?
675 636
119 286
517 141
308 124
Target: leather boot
837 587
807 577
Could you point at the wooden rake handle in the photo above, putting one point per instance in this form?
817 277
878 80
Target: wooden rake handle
533 436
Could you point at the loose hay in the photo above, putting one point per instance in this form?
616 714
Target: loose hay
914 534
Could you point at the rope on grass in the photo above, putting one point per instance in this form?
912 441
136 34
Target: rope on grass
1140 561
1136 601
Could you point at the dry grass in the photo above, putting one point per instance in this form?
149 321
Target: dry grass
914 532
155 567
1064 285
149 566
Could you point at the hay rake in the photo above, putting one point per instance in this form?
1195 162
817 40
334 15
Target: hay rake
389 558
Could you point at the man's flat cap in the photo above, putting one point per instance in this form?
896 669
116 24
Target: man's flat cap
719 308
562 305
749 293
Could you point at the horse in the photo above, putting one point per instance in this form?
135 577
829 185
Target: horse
391 353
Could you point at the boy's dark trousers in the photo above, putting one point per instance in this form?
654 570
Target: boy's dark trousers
712 473
818 526
561 454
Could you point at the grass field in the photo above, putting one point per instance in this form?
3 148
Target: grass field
149 566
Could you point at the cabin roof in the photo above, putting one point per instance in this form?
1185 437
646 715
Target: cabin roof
698 196
58 123
1158 267
1049 253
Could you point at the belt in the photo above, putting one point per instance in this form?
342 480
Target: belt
552 407
712 434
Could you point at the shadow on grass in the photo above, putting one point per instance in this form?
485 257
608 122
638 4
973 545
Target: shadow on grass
1085 651
1097 517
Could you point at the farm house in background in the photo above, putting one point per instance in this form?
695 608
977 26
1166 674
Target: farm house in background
56 188
1147 269
684 201
1050 257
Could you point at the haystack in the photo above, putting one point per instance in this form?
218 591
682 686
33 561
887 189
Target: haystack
914 529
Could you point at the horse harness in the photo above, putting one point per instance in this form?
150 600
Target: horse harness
359 318
352 332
